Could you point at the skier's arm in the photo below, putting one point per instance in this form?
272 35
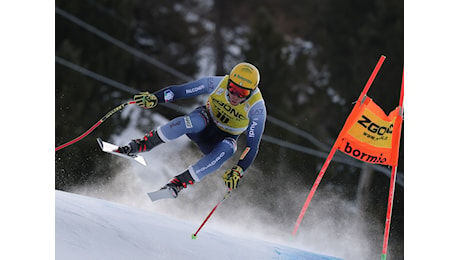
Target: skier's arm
190 89
257 117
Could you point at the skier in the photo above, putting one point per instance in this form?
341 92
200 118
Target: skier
234 105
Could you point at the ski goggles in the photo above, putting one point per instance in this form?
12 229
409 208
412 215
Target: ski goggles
237 90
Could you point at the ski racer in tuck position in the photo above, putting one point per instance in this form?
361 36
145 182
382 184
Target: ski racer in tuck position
234 105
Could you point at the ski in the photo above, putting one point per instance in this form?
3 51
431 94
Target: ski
111 148
167 193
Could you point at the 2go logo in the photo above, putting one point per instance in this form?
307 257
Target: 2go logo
375 128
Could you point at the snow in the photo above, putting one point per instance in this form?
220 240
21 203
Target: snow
90 228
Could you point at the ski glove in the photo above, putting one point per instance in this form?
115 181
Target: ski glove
146 100
232 177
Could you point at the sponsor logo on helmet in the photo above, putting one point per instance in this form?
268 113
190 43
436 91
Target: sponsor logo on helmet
242 78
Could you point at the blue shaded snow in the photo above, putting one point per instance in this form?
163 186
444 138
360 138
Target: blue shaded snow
89 228
297 254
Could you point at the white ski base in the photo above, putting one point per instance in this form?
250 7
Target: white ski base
161 194
111 148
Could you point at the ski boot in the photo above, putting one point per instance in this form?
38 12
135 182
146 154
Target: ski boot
178 183
136 146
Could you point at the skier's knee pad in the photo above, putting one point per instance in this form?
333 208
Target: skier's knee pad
202 113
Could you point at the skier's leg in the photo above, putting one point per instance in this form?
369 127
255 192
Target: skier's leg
213 160
208 164
190 124
193 123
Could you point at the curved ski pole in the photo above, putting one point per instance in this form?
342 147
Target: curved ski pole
210 213
109 114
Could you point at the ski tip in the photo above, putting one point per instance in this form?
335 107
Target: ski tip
140 160
193 236
99 142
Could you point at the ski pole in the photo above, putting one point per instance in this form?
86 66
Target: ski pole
109 114
212 211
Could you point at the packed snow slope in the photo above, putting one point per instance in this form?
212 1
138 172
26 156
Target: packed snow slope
89 228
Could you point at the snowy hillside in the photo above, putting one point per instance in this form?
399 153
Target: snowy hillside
89 228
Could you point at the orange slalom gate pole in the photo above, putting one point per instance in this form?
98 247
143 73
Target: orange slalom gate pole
372 77
389 212
313 189
334 148
391 192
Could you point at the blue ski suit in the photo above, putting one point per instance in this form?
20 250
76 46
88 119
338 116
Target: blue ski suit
216 126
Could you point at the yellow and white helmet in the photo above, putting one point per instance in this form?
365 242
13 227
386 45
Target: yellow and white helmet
245 75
